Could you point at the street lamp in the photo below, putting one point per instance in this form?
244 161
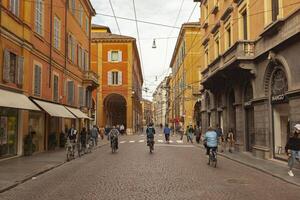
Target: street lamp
154 44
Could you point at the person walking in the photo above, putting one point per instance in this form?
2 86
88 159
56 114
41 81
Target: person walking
293 148
187 134
106 131
95 134
190 133
230 140
181 131
197 133
167 132
122 129
219 131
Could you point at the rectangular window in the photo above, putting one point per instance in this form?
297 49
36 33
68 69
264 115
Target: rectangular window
275 10
80 96
71 95
57 28
55 88
39 15
245 25
79 57
13 68
114 56
73 6
80 15
87 26
217 45
86 61
37 80
114 78
71 48
14 7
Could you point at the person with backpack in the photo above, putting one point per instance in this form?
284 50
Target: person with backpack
150 131
292 149
190 133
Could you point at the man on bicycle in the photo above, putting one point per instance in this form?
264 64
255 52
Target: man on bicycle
114 134
211 140
150 131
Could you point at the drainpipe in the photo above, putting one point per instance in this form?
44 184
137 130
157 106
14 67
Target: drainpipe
51 41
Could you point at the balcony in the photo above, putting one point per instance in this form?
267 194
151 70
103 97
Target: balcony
241 51
91 79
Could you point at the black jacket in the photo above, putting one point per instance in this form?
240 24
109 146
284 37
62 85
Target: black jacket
293 144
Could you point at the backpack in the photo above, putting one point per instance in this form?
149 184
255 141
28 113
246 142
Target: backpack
150 132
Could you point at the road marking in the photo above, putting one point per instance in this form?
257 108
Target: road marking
160 134
171 141
141 140
174 145
160 141
122 142
179 141
131 141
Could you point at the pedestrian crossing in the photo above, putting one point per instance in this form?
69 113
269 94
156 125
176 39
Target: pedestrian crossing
158 141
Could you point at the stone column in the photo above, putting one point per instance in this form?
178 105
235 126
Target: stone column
129 116
239 127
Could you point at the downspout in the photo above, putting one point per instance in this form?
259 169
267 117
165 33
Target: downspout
51 42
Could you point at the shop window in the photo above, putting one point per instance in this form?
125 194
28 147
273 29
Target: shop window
39 15
8 132
14 7
37 80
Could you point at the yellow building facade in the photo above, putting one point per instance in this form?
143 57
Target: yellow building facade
186 68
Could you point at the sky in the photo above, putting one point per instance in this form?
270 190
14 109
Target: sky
155 62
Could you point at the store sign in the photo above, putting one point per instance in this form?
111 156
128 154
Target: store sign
279 98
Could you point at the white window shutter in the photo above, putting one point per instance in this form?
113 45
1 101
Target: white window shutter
120 56
20 71
109 56
109 78
120 78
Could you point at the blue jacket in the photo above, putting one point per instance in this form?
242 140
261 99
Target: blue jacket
211 138
167 130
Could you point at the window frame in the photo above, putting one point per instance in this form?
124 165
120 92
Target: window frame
39 17
57 33
14 7
55 90
39 65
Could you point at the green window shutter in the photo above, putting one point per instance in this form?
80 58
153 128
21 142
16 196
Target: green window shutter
6 67
20 71
120 78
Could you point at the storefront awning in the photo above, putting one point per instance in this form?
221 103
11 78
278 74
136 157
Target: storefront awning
54 110
78 113
16 100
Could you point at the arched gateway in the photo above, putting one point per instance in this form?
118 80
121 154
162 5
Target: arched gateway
115 110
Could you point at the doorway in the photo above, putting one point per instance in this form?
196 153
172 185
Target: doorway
280 129
249 112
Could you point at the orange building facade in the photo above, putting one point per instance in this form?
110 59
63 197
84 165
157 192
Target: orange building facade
44 56
119 96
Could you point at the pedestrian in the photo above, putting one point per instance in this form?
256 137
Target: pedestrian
102 132
293 148
219 131
181 131
107 130
95 134
191 132
167 132
122 129
197 133
230 140
187 134
83 137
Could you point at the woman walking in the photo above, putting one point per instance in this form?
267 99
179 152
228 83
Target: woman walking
230 140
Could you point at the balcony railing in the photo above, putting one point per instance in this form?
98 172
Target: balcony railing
91 78
241 50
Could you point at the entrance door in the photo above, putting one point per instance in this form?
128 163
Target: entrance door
249 128
280 129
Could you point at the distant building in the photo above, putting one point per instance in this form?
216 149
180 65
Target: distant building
160 103
147 112
119 96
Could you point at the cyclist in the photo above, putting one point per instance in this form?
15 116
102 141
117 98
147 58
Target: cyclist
150 131
114 134
211 140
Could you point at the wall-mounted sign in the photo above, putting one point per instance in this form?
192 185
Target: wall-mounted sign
279 98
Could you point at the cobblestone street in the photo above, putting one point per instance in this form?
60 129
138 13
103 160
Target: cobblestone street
173 171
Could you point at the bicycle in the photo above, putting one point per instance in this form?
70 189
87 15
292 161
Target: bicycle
212 157
70 150
113 144
150 143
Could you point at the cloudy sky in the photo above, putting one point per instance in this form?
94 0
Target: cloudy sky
155 61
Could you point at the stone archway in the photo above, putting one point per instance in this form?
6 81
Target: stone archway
115 106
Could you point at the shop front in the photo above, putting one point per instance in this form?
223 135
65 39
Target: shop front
12 115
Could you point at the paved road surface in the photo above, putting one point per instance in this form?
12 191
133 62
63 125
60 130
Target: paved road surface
175 171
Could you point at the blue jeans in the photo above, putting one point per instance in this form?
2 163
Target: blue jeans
292 158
